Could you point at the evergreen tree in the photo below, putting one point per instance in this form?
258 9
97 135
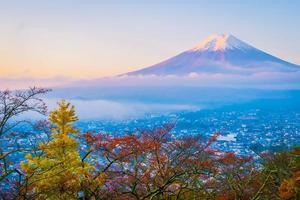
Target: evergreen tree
58 172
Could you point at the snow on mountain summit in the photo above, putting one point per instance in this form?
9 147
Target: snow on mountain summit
221 42
219 54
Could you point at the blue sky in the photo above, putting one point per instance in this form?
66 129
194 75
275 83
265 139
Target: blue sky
89 39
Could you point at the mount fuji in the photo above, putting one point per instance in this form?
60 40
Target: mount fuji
219 54
220 71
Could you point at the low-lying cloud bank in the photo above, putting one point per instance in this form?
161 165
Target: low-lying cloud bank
123 97
116 110
262 80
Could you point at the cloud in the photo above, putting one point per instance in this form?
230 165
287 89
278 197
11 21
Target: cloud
267 80
115 110
263 80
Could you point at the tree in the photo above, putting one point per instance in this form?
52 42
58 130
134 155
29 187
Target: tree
58 172
285 176
151 165
16 103
12 105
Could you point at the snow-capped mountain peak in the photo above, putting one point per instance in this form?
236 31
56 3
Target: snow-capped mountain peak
219 54
221 42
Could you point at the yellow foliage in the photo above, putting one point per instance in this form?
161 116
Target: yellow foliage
63 118
59 172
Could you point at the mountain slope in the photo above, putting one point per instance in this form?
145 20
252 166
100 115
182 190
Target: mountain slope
219 54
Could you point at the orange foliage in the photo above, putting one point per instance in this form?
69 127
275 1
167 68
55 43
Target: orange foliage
226 196
287 189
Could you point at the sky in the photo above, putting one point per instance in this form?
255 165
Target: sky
87 39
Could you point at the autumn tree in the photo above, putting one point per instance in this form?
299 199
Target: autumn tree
150 165
237 177
12 105
58 172
284 170
273 176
